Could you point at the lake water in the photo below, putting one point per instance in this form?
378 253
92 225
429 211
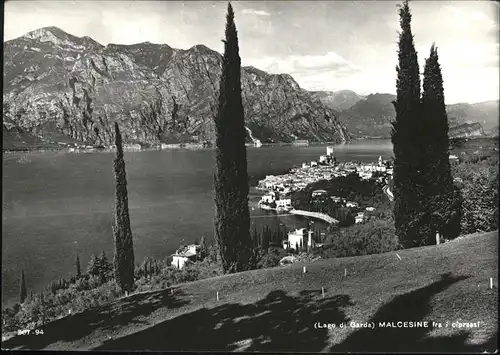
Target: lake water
58 204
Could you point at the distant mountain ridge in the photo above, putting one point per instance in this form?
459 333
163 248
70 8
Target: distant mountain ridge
371 115
338 100
58 84
485 113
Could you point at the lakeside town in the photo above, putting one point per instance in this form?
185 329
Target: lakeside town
277 197
279 187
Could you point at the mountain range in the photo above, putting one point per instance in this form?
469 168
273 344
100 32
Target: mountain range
338 100
60 87
370 116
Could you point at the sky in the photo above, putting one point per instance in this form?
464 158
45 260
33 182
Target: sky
325 45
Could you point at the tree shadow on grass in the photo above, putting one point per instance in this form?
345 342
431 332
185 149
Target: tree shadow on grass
279 322
411 307
116 313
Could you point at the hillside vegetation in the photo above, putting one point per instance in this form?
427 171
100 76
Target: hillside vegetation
276 309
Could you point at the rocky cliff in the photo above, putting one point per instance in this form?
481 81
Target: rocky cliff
61 85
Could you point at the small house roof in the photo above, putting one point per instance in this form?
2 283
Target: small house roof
187 250
186 254
301 230
179 255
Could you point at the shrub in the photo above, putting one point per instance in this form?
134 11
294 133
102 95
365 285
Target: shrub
271 258
479 189
10 321
95 281
213 253
373 237
177 276
82 284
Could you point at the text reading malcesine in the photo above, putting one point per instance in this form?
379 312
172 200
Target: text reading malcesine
400 324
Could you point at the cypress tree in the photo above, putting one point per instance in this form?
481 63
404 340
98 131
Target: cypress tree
265 240
22 291
406 136
203 248
232 219
93 266
146 269
444 202
137 271
123 260
78 269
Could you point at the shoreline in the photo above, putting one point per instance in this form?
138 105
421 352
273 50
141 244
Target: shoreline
196 146
177 146
199 146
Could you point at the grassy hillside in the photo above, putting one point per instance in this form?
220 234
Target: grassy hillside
276 309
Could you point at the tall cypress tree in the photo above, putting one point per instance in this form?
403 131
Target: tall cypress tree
78 267
406 136
444 199
232 219
203 248
22 290
123 260
265 240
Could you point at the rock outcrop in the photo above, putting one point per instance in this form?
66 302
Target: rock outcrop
59 84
